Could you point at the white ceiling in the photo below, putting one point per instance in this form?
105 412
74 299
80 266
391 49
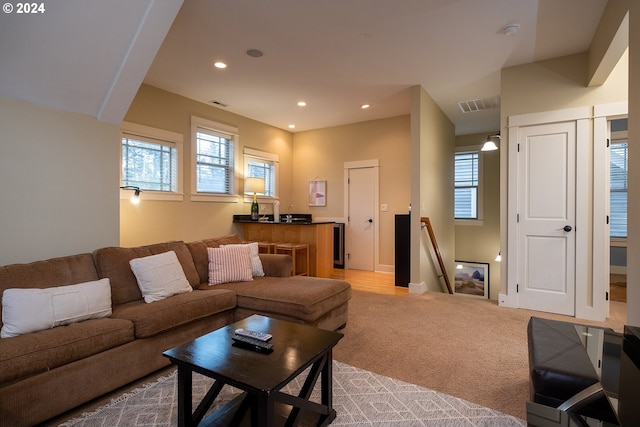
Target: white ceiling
90 56
82 56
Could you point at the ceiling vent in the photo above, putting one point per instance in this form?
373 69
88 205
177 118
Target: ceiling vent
219 104
474 105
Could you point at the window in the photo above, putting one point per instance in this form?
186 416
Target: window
466 183
213 175
151 160
259 164
619 162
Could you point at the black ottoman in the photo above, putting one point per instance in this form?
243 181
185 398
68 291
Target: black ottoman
559 366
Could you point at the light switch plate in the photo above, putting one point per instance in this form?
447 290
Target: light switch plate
384 207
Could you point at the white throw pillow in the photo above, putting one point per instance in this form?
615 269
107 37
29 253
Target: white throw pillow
27 310
229 264
160 276
254 250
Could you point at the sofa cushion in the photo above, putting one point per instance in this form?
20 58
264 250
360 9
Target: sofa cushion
276 265
160 276
198 251
300 297
229 264
256 263
41 351
152 319
113 262
31 310
67 270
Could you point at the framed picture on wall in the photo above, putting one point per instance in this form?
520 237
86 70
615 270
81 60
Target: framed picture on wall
317 193
472 279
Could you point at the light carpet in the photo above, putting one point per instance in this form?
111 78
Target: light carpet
360 398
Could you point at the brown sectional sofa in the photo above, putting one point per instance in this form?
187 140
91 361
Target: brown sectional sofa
45 373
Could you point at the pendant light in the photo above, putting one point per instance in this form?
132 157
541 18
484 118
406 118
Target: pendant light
490 144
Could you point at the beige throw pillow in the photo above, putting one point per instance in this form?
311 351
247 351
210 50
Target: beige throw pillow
27 310
160 276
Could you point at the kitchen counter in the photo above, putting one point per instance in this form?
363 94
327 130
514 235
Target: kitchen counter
318 235
294 222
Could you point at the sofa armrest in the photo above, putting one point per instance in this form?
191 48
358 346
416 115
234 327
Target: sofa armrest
276 265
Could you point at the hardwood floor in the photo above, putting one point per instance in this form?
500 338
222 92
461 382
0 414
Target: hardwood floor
618 287
383 283
369 281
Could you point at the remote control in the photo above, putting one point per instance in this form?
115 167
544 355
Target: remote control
254 334
253 344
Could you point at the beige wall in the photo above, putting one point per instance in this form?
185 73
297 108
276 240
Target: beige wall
558 84
480 242
157 221
432 151
321 154
58 181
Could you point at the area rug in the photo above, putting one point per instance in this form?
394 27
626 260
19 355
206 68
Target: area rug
360 398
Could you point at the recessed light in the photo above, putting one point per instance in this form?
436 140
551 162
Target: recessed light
255 53
302 104
219 64
292 126
365 106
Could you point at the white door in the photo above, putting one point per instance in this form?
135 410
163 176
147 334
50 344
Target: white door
360 227
546 217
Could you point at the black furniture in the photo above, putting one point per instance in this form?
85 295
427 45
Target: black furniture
261 376
403 250
581 374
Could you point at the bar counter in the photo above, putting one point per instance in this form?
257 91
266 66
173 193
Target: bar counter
318 235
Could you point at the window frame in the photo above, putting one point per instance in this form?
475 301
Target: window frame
479 220
232 131
164 137
618 137
265 157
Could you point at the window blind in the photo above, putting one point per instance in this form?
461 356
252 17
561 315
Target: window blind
260 168
214 162
149 163
466 185
619 162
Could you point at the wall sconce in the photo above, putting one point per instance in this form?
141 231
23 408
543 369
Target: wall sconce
490 144
135 198
499 257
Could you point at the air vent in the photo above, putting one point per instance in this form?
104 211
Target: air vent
474 105
218 103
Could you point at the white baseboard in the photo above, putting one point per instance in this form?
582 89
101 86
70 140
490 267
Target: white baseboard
384 268
505 301
618 269
417 288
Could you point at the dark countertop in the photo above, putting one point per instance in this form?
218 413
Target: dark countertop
297 219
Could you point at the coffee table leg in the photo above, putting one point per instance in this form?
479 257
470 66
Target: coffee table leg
327 381
263 410
184 397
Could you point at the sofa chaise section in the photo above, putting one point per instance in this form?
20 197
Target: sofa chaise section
310 300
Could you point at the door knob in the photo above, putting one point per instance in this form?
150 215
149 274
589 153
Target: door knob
567 228
370 220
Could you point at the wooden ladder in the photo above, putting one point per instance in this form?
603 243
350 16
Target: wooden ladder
432 236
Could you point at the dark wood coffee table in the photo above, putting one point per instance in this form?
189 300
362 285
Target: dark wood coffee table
260 376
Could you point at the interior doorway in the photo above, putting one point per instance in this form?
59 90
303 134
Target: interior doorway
546 198
617 162
361 231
